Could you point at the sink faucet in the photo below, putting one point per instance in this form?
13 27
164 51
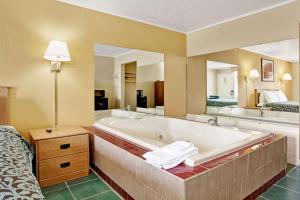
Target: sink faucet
213 121
261 110
128 108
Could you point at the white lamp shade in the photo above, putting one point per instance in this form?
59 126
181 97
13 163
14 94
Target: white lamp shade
253 74
57 51
287 77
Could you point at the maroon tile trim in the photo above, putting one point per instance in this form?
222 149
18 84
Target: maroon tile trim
266 186
182 171
112 184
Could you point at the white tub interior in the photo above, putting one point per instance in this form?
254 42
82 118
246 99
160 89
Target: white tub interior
154 132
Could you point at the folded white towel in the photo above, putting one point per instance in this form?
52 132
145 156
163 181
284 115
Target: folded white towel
171 155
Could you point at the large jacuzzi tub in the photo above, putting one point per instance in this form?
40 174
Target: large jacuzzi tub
154 132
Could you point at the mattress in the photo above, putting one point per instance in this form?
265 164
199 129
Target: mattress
221 102
290 106
17 180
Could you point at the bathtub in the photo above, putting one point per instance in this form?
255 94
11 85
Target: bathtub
290 130
154 132
118 114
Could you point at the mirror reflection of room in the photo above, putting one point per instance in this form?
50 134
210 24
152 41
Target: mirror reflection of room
267 80
129 79
222 84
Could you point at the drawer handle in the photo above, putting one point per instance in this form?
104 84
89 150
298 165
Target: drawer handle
65 165
65 146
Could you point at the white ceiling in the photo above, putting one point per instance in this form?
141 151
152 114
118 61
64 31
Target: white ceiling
285 50
110 51
218 65
180 15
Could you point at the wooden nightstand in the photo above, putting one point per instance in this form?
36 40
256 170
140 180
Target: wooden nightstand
61 155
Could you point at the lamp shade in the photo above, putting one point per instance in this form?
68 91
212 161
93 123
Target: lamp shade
253 74
57 51
287 77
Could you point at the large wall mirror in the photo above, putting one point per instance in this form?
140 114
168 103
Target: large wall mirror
253 80
129 79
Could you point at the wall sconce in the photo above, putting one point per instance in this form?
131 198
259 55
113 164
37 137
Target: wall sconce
56 52
287 77
253 74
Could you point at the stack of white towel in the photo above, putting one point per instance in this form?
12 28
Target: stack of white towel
171 155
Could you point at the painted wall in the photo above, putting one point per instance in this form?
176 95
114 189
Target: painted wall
104 80
146 77
273 25
197 78
211 82
295 81
142 58
26 29
245 61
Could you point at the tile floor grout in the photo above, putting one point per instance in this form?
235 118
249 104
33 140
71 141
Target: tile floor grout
81 182
263 197
70 191
107 184
287 189
288 174
96 195
67 187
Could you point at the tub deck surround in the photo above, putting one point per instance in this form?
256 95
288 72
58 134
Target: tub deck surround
240 175
182 171
155 132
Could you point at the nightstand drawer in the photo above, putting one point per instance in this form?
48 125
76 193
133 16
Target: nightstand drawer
63 165
57 147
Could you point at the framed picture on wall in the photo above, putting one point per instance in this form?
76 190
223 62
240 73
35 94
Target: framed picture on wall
267 70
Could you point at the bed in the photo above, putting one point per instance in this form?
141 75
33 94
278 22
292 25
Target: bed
17 180
282 104
221 102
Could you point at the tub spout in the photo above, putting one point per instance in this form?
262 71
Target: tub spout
213 121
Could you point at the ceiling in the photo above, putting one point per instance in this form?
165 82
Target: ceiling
218 65
110 51
180 15
287 50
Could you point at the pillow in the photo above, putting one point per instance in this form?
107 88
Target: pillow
281 96
271 97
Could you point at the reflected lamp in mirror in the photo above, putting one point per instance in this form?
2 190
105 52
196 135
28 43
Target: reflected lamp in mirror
287 77
253 74
57 52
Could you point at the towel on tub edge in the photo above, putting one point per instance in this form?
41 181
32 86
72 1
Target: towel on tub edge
171 155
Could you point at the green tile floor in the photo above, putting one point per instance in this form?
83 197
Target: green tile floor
287 188
93 188
86 188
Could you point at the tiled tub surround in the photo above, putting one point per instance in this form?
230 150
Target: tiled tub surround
154 132
243 174
275 116
290 131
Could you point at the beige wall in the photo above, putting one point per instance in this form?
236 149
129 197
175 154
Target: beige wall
26 29
245 60
146 77
273 25
197 78
142 58
295 81
211 82
104 80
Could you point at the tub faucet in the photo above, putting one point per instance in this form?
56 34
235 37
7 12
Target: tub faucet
262 112
128 108
213 121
